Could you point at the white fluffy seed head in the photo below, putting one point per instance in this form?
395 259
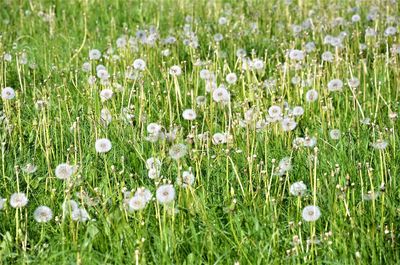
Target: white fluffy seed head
18 200
311 213
298 188
43 214
64 171
189 114
165 193
103 145
7 93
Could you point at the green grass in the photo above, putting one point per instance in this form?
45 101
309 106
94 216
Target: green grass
238 209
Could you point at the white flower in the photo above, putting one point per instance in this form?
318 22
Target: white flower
219 138
165 193
354 82
187 179
231 78
311 95
390 31
189 114
380 144
298 111
43 214
86 67
103 145
7 93
18 200
153 162
335 85
177 151
105 116
327 56
296 55
298 188
334 134
175 70
153 173
136 203
29 168
310 141
7 57
64 171
69 206
103 74
222 20
139 64
288 124
106 94
144 193
2 203
80 214
221 95
285 164
275 111
311 213
94 54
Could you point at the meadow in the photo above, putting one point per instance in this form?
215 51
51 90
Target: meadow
199 132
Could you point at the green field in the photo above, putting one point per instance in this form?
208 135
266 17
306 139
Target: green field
199 132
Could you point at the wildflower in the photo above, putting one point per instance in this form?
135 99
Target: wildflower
354 82
94 54
18 200
296 55
222 20
311 213
218 37
327 56
153 162
103 145
7 57
219 138
231 78
105 116
221 94
64 171
298 142
29 168
106 94
335 85
2 203
288 124
298 188
380 144
390 31
103 74
335 134
175 70
201 100
187 179
43 214
310 142
298 111
189 114
7 93
80 215
69 206
139 64
136 203
165 193
144 193
275 111
177 151
311 95
86 67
